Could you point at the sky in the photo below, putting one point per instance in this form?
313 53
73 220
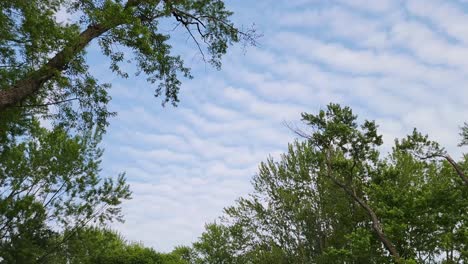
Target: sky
403 64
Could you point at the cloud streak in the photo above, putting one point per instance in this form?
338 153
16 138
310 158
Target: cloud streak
400 63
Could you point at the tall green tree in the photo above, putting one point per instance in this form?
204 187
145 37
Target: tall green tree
50 180
93 245
43 60
332 198
50 175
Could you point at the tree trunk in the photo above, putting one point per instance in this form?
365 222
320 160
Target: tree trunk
376 225
32 83
457 168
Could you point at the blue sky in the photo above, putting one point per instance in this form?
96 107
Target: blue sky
401 63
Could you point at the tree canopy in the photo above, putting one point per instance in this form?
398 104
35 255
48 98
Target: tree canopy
92 245
53 110
332 198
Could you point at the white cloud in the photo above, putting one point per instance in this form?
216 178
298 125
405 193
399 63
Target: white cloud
334 22
185 164
372 5
367 62
428 46
444 15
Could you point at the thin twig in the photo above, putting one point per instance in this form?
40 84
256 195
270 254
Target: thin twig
50 103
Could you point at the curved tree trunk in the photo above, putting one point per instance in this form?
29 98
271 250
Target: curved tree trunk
31 84
376 225
34 81
457 168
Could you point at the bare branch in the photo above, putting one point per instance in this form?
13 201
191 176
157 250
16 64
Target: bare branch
297 130
450 160
82 223
186 25
50 103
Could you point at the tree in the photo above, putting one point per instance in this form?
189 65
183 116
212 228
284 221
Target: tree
44 59
423 205
423 148
51 179
333 199
50 174
216 246
103 246
181 255
349 155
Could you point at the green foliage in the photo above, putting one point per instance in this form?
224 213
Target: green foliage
49 178
127 32
464 135
315 204
215 245
53 111
103 246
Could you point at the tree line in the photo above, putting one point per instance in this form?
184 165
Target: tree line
334 198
